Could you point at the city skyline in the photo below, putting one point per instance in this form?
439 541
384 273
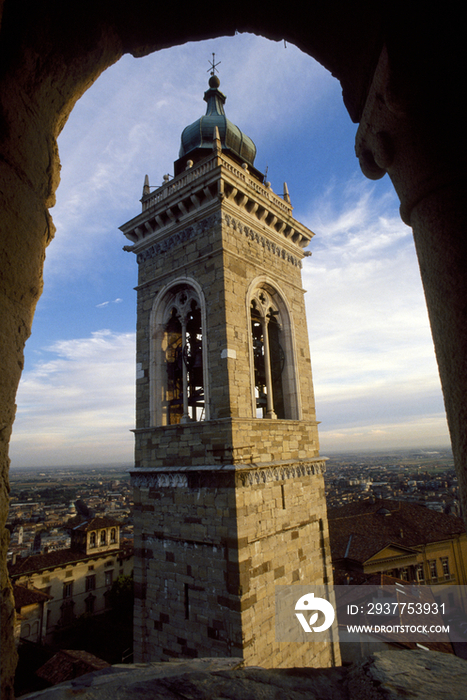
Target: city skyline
375 375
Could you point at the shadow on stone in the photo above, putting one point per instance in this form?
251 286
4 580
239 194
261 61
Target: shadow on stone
388 675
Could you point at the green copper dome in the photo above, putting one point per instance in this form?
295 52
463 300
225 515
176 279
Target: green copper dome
200 134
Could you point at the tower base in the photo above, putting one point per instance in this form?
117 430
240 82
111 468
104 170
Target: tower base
212 544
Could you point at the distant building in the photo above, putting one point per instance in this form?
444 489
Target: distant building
76 579
31 613
36 547
400 539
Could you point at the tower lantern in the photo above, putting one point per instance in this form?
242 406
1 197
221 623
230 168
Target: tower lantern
228 480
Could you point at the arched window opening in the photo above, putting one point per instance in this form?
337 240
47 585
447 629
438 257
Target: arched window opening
92 539
103 537
268 356
183 343
113 535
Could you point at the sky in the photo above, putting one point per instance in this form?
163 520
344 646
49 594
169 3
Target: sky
375 375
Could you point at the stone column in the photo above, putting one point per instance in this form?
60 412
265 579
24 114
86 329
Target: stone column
186 417
267 368
439 227
411 131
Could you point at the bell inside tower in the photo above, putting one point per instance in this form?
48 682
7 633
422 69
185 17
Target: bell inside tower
268 358
184 362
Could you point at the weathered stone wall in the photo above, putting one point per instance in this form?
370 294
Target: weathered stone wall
226 441
385 675
282 540
211 545
186 601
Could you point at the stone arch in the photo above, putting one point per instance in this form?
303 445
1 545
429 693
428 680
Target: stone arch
162 314
266 300
405 95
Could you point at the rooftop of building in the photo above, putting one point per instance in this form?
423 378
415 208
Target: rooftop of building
61 558
360 529
24 595
97 523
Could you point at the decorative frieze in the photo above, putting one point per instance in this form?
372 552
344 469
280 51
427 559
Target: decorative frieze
261 240
179 238
280 473
158 481
244 476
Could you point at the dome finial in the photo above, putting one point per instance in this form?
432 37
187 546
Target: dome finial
214 81
201 134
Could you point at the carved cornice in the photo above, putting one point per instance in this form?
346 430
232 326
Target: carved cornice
211 477
213 182
159 481
261 240
178 238
181 237
279 473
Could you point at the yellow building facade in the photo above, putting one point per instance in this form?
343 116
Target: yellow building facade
401 539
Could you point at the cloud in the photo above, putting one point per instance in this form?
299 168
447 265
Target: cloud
428 431
78 405
129 124
106 303
372 353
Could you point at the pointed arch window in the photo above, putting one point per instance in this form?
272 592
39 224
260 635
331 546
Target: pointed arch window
274 381
179 394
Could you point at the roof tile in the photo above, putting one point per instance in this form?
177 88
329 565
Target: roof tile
360 530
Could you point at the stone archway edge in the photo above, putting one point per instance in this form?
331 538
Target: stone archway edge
412 127
388 675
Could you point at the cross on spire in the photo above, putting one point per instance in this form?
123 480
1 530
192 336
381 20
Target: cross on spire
213 65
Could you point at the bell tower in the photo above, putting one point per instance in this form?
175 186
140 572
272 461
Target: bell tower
228 480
